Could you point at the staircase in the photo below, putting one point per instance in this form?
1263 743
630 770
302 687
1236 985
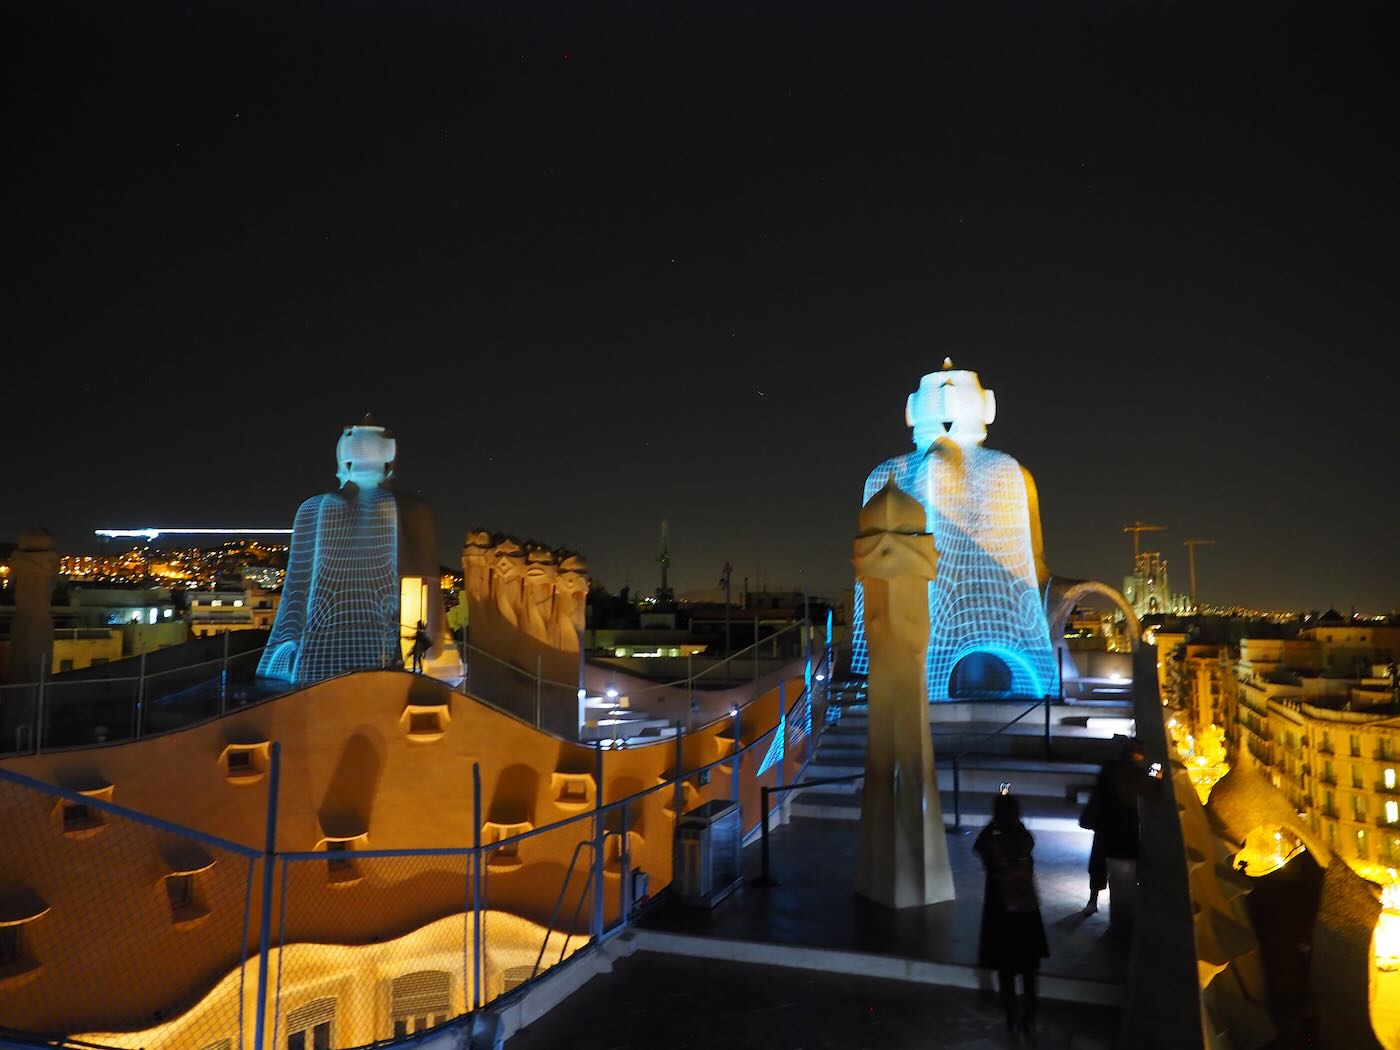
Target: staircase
975 746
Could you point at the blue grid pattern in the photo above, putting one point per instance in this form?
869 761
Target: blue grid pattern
987 596
340 603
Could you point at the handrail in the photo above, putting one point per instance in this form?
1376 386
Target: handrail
559 903
594 888
958 755
766 879
1002 728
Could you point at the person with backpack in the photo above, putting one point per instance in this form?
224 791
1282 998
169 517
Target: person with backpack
1013 935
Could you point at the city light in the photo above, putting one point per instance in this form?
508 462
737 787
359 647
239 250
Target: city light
150 533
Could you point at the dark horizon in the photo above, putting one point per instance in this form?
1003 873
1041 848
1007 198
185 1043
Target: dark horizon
602 269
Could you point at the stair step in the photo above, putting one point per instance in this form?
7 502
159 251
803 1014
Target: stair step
1037 812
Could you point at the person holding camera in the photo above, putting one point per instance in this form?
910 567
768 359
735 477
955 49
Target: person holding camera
1112 815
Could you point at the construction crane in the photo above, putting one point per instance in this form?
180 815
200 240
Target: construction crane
1136 528
1191 546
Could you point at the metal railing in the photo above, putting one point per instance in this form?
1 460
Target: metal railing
276 921
61 713
963 752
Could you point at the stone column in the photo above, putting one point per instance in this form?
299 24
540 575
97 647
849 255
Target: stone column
903 859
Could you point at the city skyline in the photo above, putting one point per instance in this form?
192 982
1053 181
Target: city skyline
707 305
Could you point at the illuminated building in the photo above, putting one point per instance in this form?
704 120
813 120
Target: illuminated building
988 625
1329 742
246 609
1148 590
362 575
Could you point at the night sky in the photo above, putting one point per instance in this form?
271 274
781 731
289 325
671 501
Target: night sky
600 267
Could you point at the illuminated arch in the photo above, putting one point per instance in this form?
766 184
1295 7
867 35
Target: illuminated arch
1025 681
1062 596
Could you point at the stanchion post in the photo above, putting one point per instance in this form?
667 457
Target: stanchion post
39 705
765 878
140 692
738 757
476 886
624 903
957 800
678 795
598 835
265 925
223 677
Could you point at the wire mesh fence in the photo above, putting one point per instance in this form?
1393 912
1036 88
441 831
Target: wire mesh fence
116 926
541 894
369 947
128 931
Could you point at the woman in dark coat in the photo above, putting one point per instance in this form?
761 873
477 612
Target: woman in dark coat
1013 937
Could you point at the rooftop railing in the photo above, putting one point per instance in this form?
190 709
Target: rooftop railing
372 944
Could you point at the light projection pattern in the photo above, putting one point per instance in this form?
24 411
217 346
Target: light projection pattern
339 609
778 748
986 597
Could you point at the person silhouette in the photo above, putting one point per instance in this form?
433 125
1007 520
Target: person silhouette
1012 936
421 645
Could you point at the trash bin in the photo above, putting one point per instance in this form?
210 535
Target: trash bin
709 841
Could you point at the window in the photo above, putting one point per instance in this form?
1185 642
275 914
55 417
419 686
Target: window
310 1027
1392 811
23 907
340 866
1356 777
420 1001
246 763
1385 746
1358 806
181 891
79 817
1355 742
1361 843
1389 777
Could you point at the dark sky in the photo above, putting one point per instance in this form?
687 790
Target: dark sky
603 267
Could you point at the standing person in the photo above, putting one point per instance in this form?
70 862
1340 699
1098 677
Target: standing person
1013 936
1112 814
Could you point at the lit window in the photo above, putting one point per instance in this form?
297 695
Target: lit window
1389 779
1392 811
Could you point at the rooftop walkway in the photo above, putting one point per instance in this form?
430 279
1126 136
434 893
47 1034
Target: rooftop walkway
806 963
650 1001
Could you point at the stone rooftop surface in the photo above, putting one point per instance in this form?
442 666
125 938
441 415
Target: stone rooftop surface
652 1001
814 906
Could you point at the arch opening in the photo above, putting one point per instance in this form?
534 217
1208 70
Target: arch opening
981 675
